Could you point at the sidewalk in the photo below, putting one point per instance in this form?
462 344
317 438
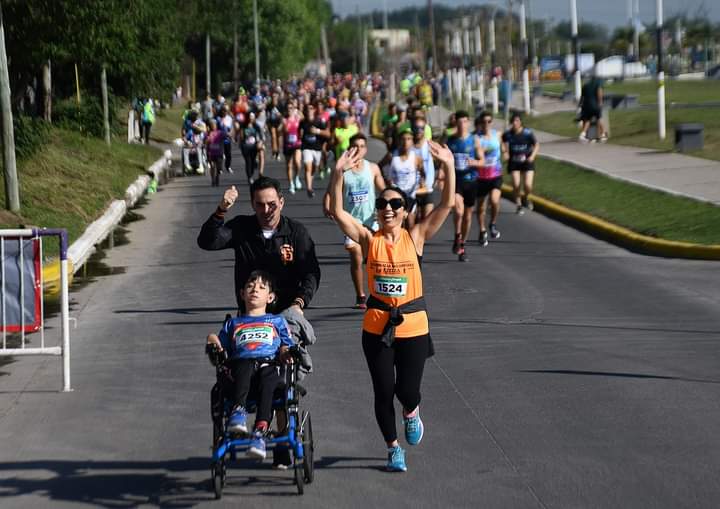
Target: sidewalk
672 173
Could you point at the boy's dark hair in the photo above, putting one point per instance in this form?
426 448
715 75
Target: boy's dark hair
461 114
263 276
514 116
265 183
358 136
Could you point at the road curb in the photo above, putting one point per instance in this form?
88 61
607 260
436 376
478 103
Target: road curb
605 230
620 235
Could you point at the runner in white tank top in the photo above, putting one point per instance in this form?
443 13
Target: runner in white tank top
406 171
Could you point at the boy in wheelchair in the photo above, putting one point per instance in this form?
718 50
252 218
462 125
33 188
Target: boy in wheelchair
253 344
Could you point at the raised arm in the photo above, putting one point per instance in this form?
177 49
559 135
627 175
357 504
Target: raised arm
215 234
378 179
345 221
425 229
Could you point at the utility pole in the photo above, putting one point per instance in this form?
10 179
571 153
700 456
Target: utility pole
208 86
636 31
12 192
356 53
526 60
106 109
660 71
511 66
236 71
574 28
326 54
493 63
364 55
385 15
433 42
257 43
47 91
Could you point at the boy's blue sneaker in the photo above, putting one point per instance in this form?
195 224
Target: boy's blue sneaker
237 423
396 460
257 447
414 428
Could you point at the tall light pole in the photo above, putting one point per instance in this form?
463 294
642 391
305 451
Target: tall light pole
493 62
660 71
525 72
433 42
574 28
257 43
208 82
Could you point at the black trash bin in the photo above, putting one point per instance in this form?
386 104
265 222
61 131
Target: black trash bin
689 137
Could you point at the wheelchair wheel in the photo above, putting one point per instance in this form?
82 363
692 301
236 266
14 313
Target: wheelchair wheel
298 466
217 474
309 448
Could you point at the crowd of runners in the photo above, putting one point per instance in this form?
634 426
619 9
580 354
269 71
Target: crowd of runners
386 209
303 122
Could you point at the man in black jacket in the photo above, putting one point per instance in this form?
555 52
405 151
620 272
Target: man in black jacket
271 242
266 241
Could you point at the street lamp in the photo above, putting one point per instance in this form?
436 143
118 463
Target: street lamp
525 72
574 27
660 71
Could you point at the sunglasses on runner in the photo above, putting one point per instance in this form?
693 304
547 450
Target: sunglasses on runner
395 203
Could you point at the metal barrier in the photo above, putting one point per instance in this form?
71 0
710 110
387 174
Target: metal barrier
21 316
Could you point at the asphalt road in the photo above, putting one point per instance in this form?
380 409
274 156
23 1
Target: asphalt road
568 374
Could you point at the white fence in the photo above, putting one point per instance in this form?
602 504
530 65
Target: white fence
22 295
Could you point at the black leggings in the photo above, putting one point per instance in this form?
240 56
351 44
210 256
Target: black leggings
250 156
395 371
227 147
267 379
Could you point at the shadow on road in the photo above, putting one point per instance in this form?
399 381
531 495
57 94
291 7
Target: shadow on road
349 463
612 374
178 311
108 483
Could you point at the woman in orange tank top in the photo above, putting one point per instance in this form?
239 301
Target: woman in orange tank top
396 335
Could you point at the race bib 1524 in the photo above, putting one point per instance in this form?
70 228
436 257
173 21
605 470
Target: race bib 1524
391 286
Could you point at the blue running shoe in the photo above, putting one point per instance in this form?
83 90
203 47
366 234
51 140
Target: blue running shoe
414 429
257 448
238 421
396 460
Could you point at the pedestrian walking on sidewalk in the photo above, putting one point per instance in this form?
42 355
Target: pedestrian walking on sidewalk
591 104
396 335
520 148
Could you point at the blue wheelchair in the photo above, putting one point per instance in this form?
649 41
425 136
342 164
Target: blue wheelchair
297 436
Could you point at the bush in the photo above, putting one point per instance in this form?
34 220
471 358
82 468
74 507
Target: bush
30 135
86 118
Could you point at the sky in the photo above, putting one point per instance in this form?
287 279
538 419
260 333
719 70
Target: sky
611 13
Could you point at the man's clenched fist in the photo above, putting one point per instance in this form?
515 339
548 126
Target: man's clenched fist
229 198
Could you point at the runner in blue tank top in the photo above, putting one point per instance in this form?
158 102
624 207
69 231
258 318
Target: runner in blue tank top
360 184
468 161
489 175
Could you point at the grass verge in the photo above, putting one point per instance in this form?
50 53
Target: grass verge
639 128
639 209
688 91
167 125
72 179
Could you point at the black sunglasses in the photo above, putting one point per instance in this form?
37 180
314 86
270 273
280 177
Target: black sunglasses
395 203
